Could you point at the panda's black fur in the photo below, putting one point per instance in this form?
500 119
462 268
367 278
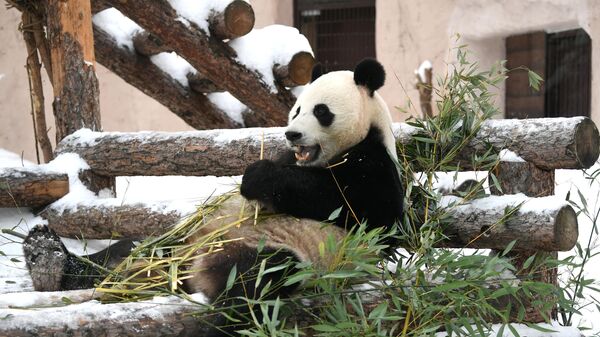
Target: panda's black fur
360 177
367 176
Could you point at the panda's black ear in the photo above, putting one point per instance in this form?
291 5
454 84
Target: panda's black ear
369 73
317 71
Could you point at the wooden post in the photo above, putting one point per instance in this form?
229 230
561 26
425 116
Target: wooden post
76 92
526 178
76 102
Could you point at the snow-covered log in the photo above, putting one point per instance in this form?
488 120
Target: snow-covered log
195 109
296 72
105 220
541 223
21 187
549 143
157 318
546 224
211 57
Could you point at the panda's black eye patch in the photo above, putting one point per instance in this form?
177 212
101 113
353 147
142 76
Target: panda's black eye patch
297 113
324 116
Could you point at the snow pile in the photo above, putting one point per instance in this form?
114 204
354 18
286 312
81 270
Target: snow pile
117 25
499 202
426 65
199 12
509 156
174 65
231 105
262 48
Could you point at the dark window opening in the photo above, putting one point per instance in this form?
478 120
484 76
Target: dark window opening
564 60
341 32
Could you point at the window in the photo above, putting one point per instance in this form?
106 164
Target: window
341 32
564 61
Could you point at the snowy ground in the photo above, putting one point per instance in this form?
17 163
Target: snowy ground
14 277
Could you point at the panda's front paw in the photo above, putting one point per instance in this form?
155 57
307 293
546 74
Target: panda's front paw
257 182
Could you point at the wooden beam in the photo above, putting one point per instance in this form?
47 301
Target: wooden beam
297 72
228 152
99 220
211 57
236 20
471 225
76 103
195 109
25 187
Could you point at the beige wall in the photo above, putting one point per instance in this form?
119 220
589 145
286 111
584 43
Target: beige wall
407 32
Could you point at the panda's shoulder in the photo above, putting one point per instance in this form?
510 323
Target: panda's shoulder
369 153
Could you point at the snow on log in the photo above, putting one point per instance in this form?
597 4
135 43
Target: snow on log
549 143
168 316
546 223
211 57
22 187
568 143
195 109
104 219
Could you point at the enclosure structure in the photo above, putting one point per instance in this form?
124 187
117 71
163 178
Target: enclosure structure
68 53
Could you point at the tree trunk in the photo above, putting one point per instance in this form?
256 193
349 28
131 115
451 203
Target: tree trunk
22 187
297 72
195 109
211 57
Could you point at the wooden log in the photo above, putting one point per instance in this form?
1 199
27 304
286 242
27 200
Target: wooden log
169 317
236 20
76 102
23 187
297 72
148 44
473 226
201 84
195 109
228 152
549 143
546 224
211 57
522 177
101 220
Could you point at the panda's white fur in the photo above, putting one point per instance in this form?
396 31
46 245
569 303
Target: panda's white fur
355 110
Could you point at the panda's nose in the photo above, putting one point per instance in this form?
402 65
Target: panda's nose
293 135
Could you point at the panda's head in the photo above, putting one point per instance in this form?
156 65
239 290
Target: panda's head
336 111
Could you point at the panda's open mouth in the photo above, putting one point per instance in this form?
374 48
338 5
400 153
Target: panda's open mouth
305 154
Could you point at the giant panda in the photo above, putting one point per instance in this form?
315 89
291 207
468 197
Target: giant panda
341 155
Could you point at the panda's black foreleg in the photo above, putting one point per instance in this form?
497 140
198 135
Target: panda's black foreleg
52 267
233 302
